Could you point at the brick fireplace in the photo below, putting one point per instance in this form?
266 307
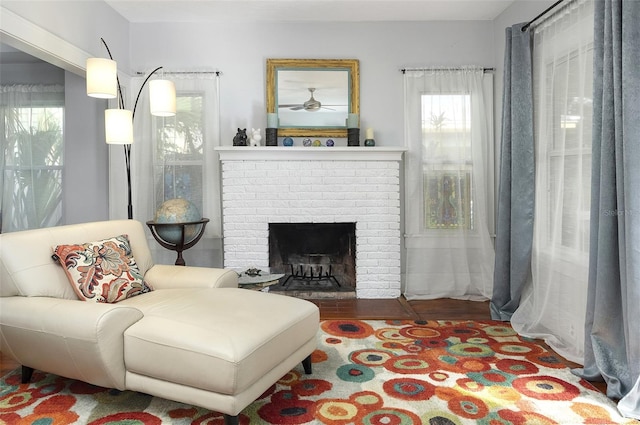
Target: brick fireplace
361 185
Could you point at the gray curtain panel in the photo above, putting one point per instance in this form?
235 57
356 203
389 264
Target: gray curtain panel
612 343
514 229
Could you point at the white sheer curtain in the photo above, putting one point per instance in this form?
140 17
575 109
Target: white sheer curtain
448 183
553 306
31 156
174 157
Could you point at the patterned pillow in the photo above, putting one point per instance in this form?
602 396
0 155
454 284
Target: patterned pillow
102 271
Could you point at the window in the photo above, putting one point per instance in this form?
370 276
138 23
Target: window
32 120
563 72
446 129
569 121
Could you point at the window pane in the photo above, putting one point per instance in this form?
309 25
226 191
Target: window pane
33 155
446 127
34 136
447 200
179 152
446 140
569 173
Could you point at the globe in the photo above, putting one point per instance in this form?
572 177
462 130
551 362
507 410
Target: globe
177 211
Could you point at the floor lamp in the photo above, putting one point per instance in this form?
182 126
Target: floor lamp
103 83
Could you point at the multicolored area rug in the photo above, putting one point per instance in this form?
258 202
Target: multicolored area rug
365 372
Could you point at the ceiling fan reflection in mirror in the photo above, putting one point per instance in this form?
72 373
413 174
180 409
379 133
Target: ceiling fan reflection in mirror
311 105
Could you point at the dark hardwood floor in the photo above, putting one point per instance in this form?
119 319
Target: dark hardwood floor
400 308
397 309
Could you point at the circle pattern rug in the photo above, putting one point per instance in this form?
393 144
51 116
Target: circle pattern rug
364 373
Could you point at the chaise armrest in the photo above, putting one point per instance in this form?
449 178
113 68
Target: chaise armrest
162 276
83 340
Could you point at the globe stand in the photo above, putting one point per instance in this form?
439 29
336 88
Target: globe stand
181 245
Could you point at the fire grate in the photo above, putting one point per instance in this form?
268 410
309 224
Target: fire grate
311 273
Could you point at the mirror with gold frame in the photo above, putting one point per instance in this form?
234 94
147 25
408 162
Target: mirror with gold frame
313 97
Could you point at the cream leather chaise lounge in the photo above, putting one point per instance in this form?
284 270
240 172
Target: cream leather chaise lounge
194 338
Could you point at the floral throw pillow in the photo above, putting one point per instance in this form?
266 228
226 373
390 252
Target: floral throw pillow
102 271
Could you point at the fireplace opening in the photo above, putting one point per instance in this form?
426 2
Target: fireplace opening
317 257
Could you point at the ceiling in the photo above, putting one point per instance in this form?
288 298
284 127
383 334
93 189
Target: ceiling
243 11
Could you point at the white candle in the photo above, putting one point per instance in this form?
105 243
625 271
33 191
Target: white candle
369 133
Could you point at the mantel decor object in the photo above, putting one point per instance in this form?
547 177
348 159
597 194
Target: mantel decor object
353 137
254 138
369 141
271 136
271 132
240 139
353 130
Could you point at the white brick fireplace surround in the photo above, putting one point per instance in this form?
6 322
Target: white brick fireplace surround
262 185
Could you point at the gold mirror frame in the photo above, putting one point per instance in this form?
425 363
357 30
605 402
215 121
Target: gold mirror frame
351 65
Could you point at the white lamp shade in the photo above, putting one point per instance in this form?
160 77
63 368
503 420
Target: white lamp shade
162 98
118 125
102 78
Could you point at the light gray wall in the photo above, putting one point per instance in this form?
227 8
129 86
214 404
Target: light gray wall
86 173
80 23
240 51
33 73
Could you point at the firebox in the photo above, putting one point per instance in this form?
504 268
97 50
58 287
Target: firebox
314 256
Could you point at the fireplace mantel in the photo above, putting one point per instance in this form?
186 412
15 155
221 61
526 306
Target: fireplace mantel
283 153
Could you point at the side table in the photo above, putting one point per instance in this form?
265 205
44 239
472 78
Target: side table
260 282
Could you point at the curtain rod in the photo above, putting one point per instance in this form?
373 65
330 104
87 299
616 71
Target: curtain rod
544 12
453 68
185 72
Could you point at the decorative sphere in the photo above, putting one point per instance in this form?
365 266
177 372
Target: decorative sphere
177 211
306 142
288 141
330 142
317 143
